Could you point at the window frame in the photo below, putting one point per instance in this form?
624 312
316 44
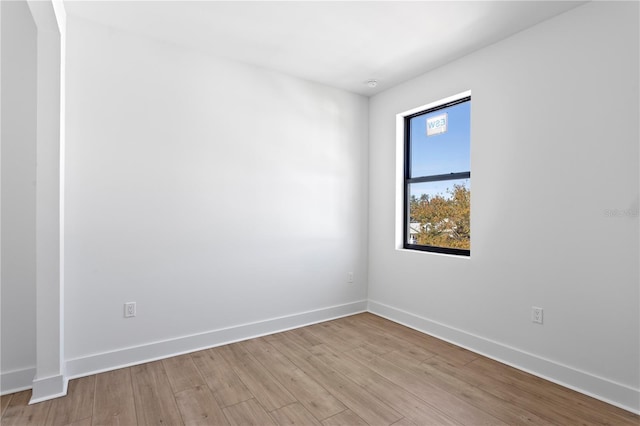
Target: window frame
408 180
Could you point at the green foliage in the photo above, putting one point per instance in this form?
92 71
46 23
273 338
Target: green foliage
444 221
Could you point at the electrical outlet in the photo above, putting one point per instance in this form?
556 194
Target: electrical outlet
349 277
536 314
130 309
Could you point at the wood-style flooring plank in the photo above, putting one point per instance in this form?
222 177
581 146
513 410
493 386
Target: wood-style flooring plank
327 335
264 387
113 403
20 413
388 341
356 335
155 403
83 422
364 404
182 373
455 355
248 413
404 422
316 399
4 403
307 336
453 407
398 398
509 413
198 407
511 395
381 342
294 414
76 405
347 417
307 391
268 356
302 348
226 386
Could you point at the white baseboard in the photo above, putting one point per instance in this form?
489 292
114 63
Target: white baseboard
48 388
600 388
16 380
97 363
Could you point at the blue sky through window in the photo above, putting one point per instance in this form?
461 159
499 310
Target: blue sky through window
443 153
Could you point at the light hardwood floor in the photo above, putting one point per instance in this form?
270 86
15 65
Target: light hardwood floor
359 370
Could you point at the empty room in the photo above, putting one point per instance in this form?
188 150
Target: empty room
320 212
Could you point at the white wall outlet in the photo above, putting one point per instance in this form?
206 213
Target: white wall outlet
536 314
349 277
130 309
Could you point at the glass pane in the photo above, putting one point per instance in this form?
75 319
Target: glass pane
439 214
441 152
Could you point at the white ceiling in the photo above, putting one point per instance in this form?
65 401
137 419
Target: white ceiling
341 44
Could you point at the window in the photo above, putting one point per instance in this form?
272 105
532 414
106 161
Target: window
437 177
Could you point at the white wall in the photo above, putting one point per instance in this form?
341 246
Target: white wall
554 146
211 193
18 290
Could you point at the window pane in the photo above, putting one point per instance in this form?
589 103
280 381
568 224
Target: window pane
439 214
441 153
